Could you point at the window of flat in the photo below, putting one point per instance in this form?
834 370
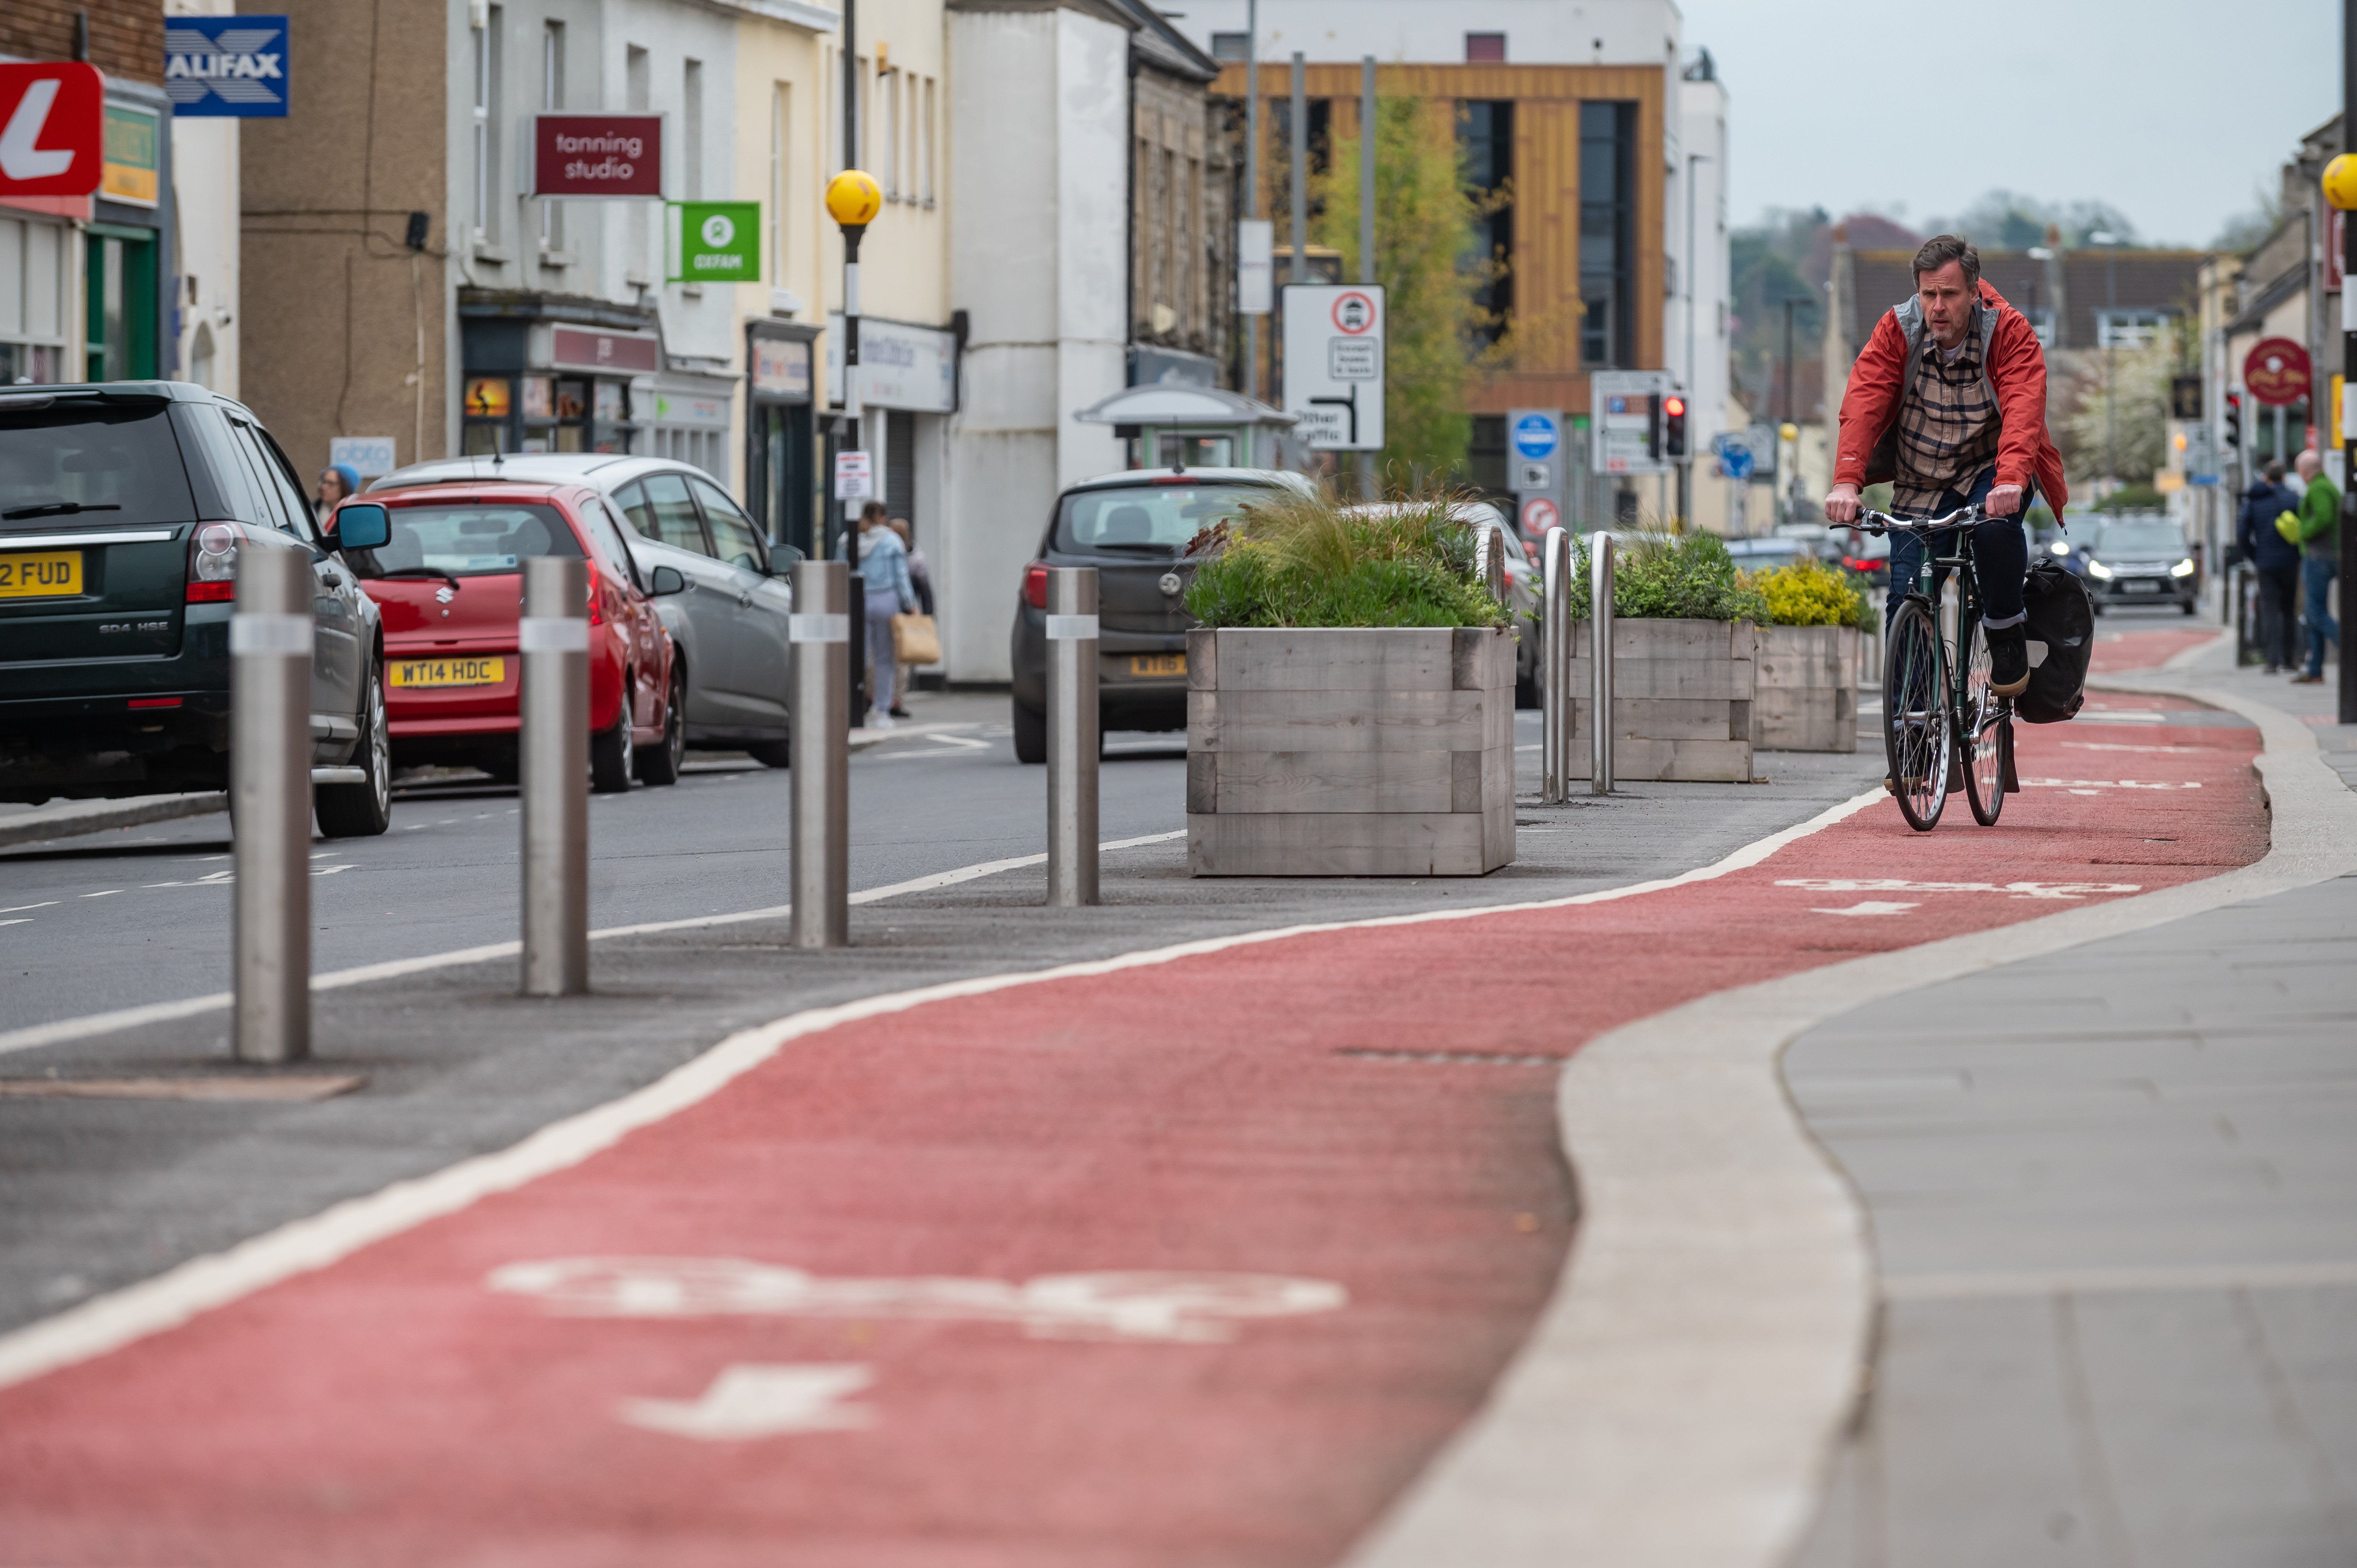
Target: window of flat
1231 45
1485 48
552 98
1607 180
1485 140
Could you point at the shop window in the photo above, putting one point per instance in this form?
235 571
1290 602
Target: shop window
32 301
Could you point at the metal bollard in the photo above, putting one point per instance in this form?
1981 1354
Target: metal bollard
1555 652
820 629
270 635
1600 653
553 757
1072 737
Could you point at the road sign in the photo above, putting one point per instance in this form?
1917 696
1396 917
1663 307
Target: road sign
854 477
1334 365
576 156
226 67
1536 433
1624 405
1539 514
52 129
1530 478
716 242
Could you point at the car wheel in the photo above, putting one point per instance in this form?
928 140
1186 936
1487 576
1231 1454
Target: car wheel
612 751
362 810
1031 735
661 765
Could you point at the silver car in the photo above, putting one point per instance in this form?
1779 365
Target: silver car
730 626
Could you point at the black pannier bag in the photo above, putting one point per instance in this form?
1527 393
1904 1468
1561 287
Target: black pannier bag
2062 620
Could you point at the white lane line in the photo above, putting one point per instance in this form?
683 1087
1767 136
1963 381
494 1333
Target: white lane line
13 908
66 1029
1870 906
109 1322
21 921
108 894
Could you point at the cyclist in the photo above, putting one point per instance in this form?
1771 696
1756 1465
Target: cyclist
1947 401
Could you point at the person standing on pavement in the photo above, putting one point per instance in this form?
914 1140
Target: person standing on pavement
921 577
2275 560
338 482
884 568
2319 550
1948 402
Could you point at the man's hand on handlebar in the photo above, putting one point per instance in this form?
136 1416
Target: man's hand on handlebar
1841 503
2003 501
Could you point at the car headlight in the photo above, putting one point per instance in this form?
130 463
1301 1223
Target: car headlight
2183 568
2058 548
2097 569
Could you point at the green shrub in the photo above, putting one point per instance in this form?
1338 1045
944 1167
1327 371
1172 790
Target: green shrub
1814 593
1688 577
1307 561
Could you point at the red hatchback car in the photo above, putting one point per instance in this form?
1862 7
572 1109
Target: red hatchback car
450 583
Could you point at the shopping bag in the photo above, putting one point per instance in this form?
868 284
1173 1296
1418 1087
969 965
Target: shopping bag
914 641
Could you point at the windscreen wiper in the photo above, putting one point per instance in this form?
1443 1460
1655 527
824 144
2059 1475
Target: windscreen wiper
58 509
421 572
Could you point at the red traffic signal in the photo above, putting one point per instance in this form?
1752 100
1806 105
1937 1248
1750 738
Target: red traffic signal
1674 426
1676 407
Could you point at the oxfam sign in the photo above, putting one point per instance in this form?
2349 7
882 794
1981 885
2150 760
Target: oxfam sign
716 242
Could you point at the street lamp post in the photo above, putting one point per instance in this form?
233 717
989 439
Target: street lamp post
2110 242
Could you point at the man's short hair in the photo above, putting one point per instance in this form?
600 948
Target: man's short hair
1940 249
2274 473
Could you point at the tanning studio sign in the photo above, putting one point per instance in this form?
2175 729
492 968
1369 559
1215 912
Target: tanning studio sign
226 67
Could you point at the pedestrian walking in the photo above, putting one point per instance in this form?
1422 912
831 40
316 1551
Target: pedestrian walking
2275 560
338 482
2320 562
920 579
884 568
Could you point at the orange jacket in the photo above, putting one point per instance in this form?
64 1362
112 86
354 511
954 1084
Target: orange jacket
2015 368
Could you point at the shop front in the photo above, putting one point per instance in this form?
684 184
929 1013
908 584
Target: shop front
781 443
908 390
551 373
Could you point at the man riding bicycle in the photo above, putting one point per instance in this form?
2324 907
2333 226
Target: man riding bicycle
1947 401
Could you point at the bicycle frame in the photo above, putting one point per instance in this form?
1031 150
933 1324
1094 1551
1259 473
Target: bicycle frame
1949 668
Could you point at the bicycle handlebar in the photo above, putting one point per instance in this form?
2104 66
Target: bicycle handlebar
1874 522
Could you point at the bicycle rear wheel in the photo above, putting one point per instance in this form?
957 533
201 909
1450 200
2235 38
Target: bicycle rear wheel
1983 732
1918 733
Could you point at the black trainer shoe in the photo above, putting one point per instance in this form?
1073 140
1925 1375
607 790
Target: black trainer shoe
2008 660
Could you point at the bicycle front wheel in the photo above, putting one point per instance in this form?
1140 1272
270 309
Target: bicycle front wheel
1917 733
1984 732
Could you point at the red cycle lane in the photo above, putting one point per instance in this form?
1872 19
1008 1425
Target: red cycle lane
1195 1262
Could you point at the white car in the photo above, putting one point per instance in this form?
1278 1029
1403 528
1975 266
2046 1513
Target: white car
730 626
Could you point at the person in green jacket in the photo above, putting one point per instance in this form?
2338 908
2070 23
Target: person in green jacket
2319 550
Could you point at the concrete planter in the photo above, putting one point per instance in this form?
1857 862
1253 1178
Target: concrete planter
1682 700
1805 684
1349 752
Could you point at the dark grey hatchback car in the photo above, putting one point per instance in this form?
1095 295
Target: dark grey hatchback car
1131 527
122 507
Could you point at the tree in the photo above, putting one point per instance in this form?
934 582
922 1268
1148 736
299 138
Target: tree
1424 225
2119 428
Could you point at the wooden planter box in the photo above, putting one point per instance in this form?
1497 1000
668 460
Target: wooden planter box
1805 684
1349 752
1682 700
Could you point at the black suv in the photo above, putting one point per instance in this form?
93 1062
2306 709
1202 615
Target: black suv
1130 526
123 507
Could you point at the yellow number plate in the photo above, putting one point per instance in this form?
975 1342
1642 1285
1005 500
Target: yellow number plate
40 577
1158 664
449 671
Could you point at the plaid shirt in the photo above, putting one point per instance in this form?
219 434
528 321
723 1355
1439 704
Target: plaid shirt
1948 428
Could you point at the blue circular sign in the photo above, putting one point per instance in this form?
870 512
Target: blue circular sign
1534 436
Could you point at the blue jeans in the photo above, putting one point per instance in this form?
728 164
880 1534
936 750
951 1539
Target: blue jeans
881 609
2000 557
2316 573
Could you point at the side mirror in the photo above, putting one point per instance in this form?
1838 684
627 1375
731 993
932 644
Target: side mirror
360 525
666 580
782 558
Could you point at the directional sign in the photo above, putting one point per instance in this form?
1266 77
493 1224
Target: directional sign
1334 365
1735 457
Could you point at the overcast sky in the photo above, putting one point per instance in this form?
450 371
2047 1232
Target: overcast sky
2169 109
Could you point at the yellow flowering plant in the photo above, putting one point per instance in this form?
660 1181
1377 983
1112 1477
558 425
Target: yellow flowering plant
1812 592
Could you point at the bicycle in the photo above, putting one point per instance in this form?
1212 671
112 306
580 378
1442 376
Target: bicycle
1943 726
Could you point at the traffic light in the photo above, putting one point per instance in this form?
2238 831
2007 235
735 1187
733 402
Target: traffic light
1674 426
2233 433
1653 425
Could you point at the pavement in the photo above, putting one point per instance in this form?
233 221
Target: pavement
1238 1223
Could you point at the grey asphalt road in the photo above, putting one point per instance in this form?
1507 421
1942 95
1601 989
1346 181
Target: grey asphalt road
141 915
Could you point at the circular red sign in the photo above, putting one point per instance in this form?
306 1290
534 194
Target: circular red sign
1539 514
1355 313
2276 372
